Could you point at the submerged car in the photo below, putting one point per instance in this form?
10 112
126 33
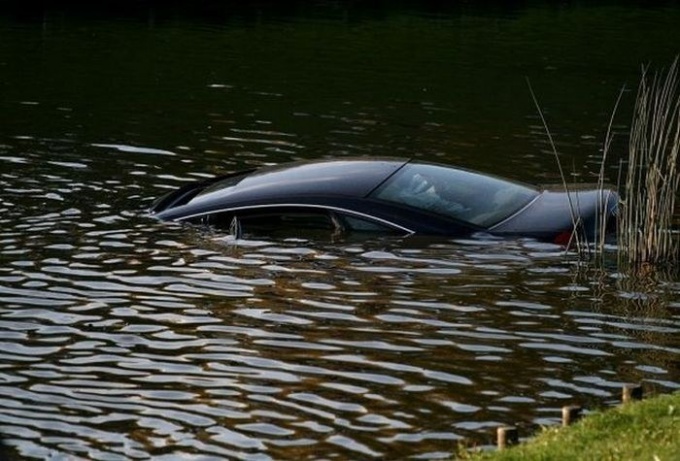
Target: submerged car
390 195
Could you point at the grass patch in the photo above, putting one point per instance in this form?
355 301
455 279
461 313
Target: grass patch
645 430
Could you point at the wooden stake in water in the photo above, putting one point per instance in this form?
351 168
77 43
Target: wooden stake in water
506 436
571 414
631 392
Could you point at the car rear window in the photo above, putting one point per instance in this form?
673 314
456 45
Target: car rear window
224 185
455 193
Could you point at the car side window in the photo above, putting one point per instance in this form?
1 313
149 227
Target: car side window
364 225
271 221
291 221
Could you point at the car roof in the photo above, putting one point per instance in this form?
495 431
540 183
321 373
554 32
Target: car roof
355 177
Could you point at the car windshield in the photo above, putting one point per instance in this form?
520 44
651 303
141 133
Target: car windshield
465 195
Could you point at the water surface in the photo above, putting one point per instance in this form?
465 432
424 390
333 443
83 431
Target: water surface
126 338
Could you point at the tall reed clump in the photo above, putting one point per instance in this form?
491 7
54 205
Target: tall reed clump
645 235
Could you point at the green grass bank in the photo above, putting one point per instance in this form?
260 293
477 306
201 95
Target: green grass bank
643 430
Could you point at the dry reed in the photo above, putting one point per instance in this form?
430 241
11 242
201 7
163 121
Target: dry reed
645 235
575 239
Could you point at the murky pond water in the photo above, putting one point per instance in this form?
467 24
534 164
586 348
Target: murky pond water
126 338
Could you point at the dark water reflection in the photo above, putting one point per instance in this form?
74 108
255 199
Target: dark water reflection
124 338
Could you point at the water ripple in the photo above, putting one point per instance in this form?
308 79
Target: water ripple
126 338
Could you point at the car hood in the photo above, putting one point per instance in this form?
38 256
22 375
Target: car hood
551 214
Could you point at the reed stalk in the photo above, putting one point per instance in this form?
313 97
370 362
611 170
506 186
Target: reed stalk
603 216
576 239
645 235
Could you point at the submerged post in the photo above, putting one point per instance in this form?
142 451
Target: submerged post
506 436
631 392
571 414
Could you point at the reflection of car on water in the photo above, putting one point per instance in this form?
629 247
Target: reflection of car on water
384 195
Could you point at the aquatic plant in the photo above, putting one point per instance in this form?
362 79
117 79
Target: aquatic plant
645 234
575 239
651 179
578 240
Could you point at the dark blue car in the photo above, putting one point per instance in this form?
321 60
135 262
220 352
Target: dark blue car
386 195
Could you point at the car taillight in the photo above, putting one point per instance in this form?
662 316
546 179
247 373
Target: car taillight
563 238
